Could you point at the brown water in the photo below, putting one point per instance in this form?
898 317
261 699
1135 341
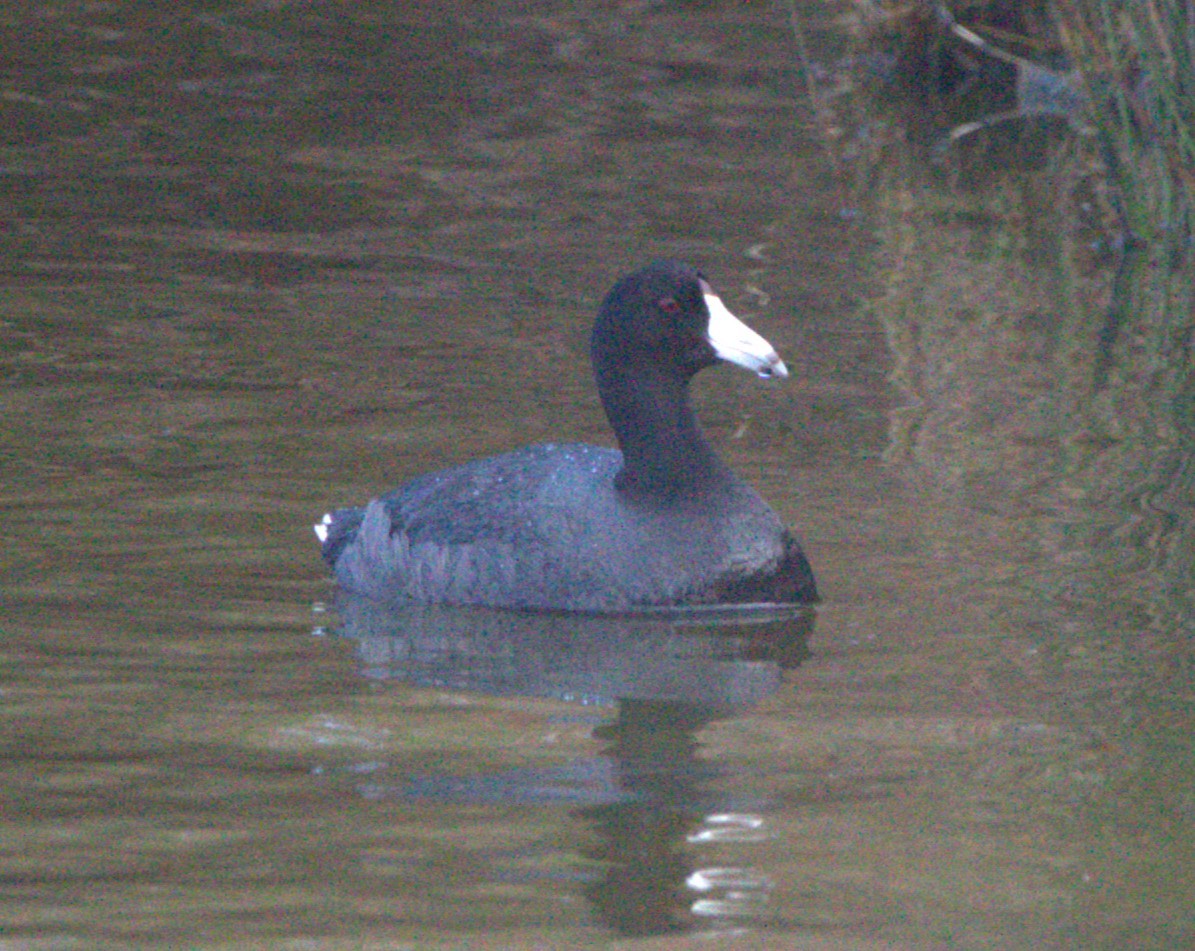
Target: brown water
259 260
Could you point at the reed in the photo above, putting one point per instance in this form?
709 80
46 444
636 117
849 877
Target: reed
1137 61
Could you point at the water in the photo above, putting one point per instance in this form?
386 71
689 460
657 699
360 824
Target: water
259 261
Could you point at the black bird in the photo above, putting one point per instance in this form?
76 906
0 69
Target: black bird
574 527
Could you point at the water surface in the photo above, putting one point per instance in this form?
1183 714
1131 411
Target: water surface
260 260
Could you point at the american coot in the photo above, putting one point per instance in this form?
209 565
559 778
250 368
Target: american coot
574 527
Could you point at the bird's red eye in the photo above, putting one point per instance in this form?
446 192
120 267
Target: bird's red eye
668 305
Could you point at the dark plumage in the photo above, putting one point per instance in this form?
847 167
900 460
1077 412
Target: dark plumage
575 527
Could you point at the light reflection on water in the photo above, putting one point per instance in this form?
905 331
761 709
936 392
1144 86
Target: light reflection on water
287 270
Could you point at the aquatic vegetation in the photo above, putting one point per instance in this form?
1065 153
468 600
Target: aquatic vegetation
1136 59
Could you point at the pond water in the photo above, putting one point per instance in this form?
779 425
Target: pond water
259 260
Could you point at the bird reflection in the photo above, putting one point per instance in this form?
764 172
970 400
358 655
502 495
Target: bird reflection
651 796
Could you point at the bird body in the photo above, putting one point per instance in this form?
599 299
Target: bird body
575 527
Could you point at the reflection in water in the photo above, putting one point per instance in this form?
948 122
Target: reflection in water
1047 424
641 839
1043 359
261 256
651 800
1042 353
1039 301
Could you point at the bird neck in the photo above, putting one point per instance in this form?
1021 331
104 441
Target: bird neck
664 450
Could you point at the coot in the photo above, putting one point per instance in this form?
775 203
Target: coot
574 527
